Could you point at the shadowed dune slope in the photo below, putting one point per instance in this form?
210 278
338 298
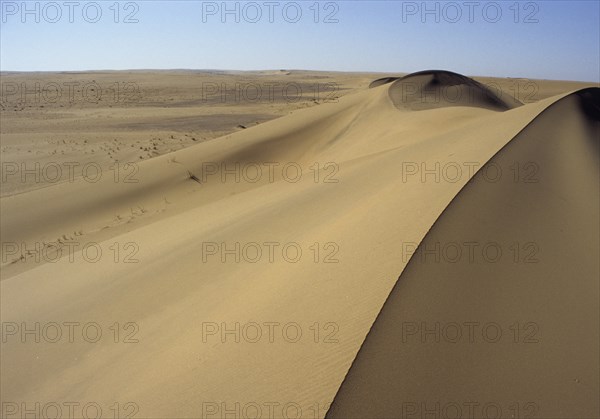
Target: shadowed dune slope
534 310
438 89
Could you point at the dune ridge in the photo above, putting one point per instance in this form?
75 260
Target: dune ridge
552 288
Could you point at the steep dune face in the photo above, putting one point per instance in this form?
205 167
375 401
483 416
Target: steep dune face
497 311
364 193
436 89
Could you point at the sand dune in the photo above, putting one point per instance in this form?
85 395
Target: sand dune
434 89
350 184
533 305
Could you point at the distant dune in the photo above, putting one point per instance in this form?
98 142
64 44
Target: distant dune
353 180
435 89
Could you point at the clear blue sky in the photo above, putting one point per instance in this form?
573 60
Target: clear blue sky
541 39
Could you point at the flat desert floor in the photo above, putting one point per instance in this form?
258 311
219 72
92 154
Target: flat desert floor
185 244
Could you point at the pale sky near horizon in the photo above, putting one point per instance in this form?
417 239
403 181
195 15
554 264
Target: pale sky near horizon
533 39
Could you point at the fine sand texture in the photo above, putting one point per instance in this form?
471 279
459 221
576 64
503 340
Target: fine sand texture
249 264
